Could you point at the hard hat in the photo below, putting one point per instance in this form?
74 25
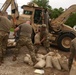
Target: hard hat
44 25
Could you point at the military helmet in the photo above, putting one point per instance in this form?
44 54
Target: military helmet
44 25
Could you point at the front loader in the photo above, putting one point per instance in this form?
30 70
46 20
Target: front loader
60 34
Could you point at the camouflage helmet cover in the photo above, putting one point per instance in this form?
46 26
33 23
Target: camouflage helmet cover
44 25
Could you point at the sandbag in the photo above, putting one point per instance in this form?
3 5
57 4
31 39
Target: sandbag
40 56
27 59
38 59
58 55
40 64
64 63
37 38
73 69
50 54
55 62
11 42
48 62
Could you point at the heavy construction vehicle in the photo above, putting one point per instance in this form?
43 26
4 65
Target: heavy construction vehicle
61 34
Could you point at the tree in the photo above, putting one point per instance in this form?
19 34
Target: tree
56 12
41 3
71 20
53 13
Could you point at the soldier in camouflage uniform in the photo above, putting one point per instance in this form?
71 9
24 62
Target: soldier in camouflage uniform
72 52
44 38
5 26
25 40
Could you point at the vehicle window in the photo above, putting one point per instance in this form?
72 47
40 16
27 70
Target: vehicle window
37 16
26 12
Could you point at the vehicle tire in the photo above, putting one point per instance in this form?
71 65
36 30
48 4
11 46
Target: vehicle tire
64 41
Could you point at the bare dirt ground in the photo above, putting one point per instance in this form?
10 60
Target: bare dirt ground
18 67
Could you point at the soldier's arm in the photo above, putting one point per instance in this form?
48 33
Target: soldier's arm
42 39
15 30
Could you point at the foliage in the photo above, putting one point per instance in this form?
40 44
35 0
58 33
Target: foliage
12 29
56 12
41 3
71 20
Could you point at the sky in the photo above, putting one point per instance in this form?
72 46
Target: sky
53 3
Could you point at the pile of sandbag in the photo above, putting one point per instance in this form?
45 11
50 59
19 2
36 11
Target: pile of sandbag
52 60
11 42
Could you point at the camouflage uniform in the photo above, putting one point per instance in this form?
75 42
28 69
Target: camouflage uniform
72 52
46 42
25 40
44 34
5 26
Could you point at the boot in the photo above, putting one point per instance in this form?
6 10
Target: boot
14 58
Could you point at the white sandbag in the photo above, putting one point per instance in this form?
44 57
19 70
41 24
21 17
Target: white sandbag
73 69
50 54
48 62
27 59
14 44
37 38
40 56
38 59
39 72
40 64
55 62
11 42
58 55
64 63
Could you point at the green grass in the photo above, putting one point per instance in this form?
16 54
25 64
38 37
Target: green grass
12 29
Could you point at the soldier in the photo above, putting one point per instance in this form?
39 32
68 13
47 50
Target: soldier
44 37
44 40
72 52
5 26
25 40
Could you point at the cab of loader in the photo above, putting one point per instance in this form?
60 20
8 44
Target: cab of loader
34 14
